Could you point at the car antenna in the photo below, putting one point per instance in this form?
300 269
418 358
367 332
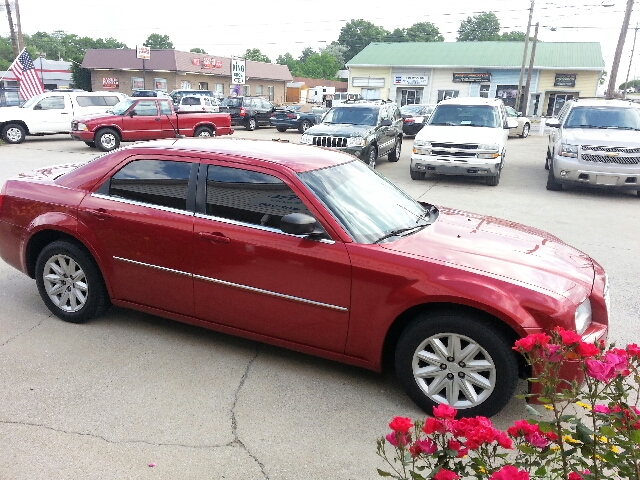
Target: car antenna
175 130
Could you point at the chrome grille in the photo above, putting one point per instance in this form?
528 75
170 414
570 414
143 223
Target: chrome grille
600 148
446 153
326 141
465 146
604 159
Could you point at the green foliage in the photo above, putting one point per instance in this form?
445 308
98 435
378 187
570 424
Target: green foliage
484 26
306 53
198 50
256 55
157 41
318 65
423 32
513 36
337 51
357 34
635 84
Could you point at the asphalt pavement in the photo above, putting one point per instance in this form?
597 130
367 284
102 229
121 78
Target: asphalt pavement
133 396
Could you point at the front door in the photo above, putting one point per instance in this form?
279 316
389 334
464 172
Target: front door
142 228
142 122
409 97
251 276
52 114
556 102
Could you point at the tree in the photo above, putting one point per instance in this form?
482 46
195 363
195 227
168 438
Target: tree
357 34
159 42
397 36
482 27
306 53
318 65
256 55
198 50
514 37
337 51
423 32
288 60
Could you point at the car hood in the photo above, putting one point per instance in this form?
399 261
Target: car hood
96 116
340 130
610 137
501 249
460 134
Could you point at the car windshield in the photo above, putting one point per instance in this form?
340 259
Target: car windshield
604 117
366 204
231 102
31 101
411 109
352 116
121 107
466 115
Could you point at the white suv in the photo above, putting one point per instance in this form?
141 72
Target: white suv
464 136
595 143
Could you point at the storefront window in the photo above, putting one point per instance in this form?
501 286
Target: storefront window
410 96
246 90
137 83
271 93
185 84
220 89
258 89
203 86
160 84
508 94
484 91
371 93
444 94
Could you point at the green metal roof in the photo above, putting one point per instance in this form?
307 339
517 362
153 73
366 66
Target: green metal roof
556 55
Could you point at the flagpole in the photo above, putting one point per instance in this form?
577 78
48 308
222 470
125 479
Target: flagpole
8 69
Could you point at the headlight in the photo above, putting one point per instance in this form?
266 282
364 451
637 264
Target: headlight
82 126
422 143
583 316
567 150
491 151
356 142
488 146
308 139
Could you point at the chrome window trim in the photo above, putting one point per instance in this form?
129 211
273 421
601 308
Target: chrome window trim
142 204
236 285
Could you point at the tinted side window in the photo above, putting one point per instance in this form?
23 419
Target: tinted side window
146 108
111 100
157 182
165 108
249 197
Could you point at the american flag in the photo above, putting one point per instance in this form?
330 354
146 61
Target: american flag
25 72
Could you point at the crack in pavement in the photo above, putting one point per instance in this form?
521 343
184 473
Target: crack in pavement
234 421
10 339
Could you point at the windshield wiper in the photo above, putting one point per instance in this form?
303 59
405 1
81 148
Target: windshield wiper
398 232
444 123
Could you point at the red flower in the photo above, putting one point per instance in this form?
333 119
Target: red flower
521 427
457 447
400 424
568 337
398 439
422 446
600 370
444 474
578 476
527 343
504 441
509 472
444 411
587 350
433 425
536 439
633 350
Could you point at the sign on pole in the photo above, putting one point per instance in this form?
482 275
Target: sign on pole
143 53
238 71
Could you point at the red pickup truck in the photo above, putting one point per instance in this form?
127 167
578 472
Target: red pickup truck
136 119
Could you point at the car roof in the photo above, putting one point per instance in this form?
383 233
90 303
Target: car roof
603 102
471 101
299 158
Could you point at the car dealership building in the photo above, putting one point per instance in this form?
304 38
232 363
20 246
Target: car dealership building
427 72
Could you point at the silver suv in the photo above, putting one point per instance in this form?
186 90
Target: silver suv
595 143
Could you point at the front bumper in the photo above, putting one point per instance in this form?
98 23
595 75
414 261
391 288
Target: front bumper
455 166
285 123
82 135
568 170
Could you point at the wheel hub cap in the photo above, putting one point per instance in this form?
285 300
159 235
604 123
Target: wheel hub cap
65 283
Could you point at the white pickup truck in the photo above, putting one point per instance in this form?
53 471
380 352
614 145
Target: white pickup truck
52 112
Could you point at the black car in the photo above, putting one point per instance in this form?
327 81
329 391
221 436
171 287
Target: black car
365 130
293 116
414 117
250 112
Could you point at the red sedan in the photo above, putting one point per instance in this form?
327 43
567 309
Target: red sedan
305 248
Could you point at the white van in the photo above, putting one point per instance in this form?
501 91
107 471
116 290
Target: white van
197 103
341 97
52 112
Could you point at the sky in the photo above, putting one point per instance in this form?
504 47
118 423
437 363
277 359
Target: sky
278 27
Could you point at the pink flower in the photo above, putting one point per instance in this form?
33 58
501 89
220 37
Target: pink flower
504 441
509 472
444 474
527 343
398 439
457 447
600 370
444 411
422 446
633 350
552 353
536 439
400 424
578 476
587 350
601 409
617 359
432 425
568 337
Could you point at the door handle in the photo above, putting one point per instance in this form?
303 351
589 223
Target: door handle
215 237
157 119
100 213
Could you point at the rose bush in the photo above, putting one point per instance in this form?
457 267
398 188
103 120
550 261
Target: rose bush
591 432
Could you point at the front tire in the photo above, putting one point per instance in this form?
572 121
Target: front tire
251 124
13 133
394 155
90 144
372 156
525 130
107 140
552 183
70 282
304 126
281 129
416 175
460 360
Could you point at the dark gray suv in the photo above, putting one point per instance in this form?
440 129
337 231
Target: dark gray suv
250 112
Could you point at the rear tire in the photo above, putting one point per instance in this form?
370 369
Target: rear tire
107 139
552 183
204 132
251 124
394 155
304 126
457 359
70 283
281 129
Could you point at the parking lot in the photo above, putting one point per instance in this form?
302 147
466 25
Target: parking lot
112 397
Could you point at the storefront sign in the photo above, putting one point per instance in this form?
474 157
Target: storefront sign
411 80
207 63
218 63
137 83
237 71
195 61
472 77
143 52
110 83
565 80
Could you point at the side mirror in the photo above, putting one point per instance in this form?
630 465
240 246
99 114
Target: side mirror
37 107
552 122
299 224
132 113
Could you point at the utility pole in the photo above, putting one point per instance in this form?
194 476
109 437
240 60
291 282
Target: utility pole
12 31
529 72
524 57
19 25
611 90
626 82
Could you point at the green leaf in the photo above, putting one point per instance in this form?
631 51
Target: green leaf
416 476
634 436
532 411
382 473
541 472
544 400
546 427
584 433
607 431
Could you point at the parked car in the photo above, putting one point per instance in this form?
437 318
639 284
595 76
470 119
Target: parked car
464 136
595 143
145 118
367 130
305 248
148 93
296 116
193 103
414 117
250 112
524 124
52 112
9 97
176 95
